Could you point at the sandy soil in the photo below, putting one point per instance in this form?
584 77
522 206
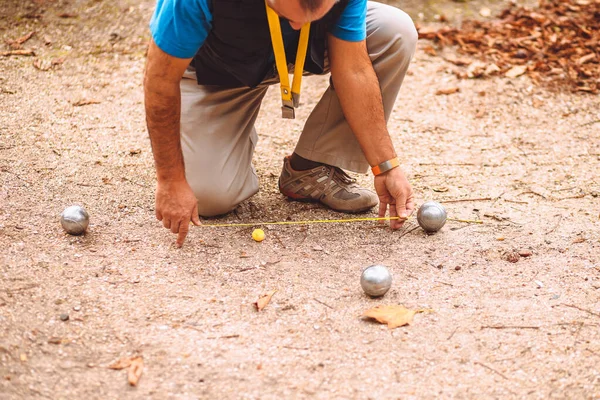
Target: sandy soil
499 329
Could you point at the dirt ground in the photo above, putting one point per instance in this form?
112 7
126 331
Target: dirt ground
522 159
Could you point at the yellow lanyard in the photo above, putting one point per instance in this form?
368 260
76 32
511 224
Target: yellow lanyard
290 97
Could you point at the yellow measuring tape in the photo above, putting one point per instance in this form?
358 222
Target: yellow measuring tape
290 96
324 221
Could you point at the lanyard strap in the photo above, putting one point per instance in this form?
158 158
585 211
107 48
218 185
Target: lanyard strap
290 96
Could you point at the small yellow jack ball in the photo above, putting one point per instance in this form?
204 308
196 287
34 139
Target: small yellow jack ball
258 235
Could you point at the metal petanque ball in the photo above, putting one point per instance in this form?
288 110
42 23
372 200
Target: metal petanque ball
376 280
431 216
74 220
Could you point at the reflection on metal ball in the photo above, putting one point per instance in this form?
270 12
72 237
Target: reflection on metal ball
431 216
376 280
74 220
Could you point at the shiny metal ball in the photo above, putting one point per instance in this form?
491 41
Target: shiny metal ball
376 280
431 216
74 220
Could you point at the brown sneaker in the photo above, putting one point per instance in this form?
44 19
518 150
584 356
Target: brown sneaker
328 185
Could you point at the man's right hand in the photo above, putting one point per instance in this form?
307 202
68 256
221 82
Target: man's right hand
176 206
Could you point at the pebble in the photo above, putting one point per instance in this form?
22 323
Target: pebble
317 248
458 268
77 308
525 253
64 317
539 284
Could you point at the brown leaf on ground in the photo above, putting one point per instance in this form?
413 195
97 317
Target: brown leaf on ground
16 44
122 363
263 300
458 61
42 65
430 50
85 102
451 90
394 315
24 52
135 370
516 71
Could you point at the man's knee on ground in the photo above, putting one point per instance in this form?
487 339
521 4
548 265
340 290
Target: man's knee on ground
214 199
398 27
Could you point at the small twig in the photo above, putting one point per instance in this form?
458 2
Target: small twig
460 200
580 309
89 128
276 236
516 201
466 221
246 269
320 302
408 231
560 217
26 52
21 289
590 123
452 334
509 327
577 196
532 192
295 348
135 183
492 369
444 283
224 337
501 219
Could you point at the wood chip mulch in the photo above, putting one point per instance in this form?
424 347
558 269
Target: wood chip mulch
558 42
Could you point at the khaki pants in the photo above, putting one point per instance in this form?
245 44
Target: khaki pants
217 124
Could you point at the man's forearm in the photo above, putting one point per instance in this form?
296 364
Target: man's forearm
163 110
358 89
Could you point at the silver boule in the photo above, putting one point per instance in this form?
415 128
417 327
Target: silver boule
376 280
431 216
74 220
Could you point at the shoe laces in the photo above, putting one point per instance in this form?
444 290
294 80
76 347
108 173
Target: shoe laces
342 176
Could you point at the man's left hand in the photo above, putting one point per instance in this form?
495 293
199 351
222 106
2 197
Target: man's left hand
395 191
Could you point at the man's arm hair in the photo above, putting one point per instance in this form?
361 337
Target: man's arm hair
163 111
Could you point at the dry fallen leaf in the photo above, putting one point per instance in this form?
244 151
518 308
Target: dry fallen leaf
121 363
394 316
430 50
135 370
458 61
263 300
516 71
447 91
42 65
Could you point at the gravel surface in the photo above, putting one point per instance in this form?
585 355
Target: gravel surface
515 300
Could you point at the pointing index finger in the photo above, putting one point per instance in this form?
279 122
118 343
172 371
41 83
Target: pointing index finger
184 228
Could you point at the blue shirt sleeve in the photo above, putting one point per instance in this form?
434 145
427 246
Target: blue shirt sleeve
180 27
352 25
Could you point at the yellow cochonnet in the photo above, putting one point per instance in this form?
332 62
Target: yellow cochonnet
290 96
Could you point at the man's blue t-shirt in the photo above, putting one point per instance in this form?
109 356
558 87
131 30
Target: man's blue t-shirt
180 27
